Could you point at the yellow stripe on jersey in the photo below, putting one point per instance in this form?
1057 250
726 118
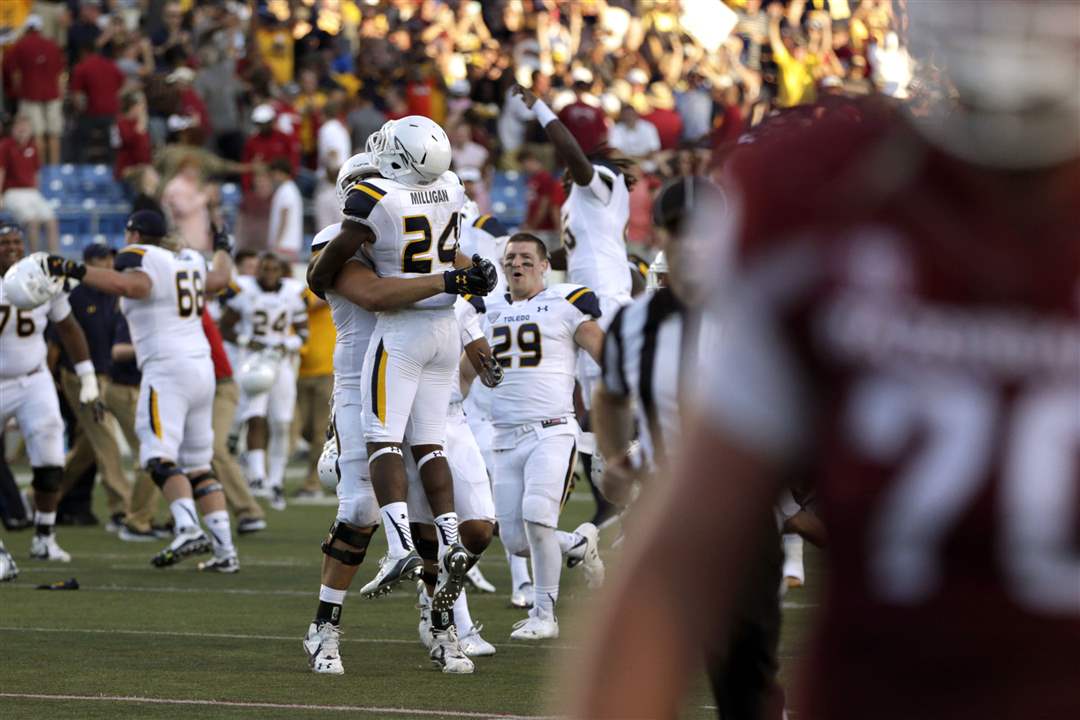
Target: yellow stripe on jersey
574 296
368 189
136 250
378 384
155 416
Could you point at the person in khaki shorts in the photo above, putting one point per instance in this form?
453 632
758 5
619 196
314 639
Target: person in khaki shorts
95 312
314 388
249 514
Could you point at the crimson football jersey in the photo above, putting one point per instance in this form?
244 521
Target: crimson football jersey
905 331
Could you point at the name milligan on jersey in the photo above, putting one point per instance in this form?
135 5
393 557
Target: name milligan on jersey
425 197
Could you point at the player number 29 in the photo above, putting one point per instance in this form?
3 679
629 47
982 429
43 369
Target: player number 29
528 342
189 293
416 256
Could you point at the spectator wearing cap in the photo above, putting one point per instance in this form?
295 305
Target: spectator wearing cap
95 312
37 63
286 231
186 201
95 84
584 120
190 104
335 147
663 117
475 188
268 144
19 165
131 140
633 136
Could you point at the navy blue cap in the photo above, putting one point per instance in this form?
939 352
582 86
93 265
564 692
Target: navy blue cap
97 250
147 222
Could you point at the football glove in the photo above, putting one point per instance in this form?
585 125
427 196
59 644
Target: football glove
60 267
478 279
223 239
492 373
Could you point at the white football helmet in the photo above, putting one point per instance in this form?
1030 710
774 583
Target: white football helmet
258 372
658 270
356 166
413 150
27 283
328 465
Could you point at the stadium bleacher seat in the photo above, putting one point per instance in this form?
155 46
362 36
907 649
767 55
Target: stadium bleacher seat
508 197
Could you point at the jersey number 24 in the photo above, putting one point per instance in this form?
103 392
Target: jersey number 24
416 255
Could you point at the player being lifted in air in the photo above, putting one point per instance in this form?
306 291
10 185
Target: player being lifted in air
29 300
377 211
163 293
534 333
258 319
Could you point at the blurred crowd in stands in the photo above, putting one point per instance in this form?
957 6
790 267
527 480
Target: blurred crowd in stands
178 96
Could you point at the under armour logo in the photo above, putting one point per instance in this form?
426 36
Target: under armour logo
542 308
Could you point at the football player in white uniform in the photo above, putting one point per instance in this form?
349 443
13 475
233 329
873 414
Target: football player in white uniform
258 318
535 333
355 293
594 221
408 222
29 300
163 295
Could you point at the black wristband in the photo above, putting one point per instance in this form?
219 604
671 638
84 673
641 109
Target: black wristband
450 281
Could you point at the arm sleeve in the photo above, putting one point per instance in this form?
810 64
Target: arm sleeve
611 361
469 309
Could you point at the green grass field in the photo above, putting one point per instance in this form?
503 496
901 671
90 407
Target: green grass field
139 642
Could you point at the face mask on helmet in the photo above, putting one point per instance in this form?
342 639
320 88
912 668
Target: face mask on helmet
413 150
351 172
1015 65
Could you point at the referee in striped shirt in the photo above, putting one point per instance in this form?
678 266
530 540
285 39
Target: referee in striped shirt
651 353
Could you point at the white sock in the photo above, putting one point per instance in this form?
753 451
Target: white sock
330 595
217 522
277 456
793 556
519 570
547 566
184 514
395 517
446 527
462 618
44 522
255 460
567 541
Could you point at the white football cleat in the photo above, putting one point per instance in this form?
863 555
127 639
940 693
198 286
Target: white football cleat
537 626
321 646
8 569
259 488
587 554
392 571
424 605
44 547
478 581
277 498
522 597
190 541
446 652
228 564
475 646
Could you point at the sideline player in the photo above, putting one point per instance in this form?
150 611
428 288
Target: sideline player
258 318
534 334
162 296
912 346
408 219
593 252
354 296
27 391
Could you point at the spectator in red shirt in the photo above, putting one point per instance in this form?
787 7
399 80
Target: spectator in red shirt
668 122
37 63
19 165
95 85
191 105
131 141
268 144
545 196
585 122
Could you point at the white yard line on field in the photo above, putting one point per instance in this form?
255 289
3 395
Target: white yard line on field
407 712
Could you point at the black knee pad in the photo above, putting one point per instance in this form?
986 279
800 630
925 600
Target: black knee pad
204 484
47 479
161 470
425 548
350 535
